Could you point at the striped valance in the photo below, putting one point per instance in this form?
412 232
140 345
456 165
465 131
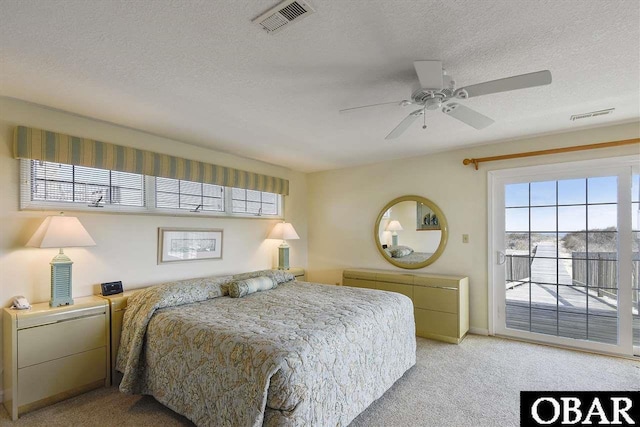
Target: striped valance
37 144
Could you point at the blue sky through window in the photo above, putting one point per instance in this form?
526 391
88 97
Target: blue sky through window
518 198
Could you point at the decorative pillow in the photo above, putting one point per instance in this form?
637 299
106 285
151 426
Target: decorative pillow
278 276
241 288
388 252
400 251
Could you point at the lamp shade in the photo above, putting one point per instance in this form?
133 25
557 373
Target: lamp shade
61 232
394 226
284 231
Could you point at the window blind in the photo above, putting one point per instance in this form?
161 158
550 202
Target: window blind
254 202
180 194
67 183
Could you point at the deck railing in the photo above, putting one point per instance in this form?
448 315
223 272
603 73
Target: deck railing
517 267
600 271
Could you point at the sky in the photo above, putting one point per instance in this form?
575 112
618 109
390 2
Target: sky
582 204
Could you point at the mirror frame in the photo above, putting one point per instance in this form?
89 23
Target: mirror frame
443 225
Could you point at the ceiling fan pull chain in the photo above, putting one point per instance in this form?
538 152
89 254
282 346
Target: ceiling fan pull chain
424 119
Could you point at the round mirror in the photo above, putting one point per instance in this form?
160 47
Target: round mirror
411 232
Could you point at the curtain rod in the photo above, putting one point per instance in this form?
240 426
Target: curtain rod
551 151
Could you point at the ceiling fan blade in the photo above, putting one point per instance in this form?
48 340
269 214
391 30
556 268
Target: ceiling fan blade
404 124
523 81
429 73
467 115
401 103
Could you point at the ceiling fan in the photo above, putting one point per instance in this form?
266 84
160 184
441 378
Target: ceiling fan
437 91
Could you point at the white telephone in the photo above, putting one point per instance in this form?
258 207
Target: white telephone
21 303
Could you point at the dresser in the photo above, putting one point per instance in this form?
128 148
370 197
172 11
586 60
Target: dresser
50 354
440 303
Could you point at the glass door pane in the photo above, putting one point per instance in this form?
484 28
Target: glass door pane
561 240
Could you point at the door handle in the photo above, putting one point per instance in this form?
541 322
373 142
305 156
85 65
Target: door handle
500 257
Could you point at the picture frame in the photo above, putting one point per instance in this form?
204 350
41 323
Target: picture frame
189 244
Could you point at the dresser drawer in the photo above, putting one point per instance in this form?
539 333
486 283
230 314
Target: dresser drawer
438 299
57 340
359 283
396 287
359 274
437 282
395 278
40 381
436 323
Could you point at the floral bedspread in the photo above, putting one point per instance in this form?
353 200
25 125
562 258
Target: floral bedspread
299 354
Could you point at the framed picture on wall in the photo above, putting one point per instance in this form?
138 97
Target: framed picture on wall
188 244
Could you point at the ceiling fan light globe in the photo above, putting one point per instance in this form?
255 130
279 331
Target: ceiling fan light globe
433 104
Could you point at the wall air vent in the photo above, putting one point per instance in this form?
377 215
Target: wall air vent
592 114
282 15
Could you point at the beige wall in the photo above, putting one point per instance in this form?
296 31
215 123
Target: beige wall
344 204
127 244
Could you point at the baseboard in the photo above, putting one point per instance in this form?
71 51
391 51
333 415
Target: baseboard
478 331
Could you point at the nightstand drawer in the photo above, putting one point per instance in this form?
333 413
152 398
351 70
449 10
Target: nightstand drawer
57 314
298 273
438 299
57 340
40 381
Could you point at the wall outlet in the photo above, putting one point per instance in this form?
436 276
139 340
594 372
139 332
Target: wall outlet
465 238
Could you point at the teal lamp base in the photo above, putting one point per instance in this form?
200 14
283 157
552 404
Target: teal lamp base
283 256
61 280
394 240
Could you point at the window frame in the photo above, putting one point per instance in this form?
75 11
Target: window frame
148 208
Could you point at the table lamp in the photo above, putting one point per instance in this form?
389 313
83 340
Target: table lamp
284 231
61 232
394 226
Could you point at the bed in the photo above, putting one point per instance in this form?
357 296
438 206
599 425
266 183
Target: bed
299 354
406 255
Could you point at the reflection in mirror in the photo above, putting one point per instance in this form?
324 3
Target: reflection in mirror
411 232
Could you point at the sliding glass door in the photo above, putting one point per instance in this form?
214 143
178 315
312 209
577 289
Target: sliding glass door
635 253
564 263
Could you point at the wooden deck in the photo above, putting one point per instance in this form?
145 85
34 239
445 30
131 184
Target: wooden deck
536 305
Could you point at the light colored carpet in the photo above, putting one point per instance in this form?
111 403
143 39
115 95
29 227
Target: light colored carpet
476 383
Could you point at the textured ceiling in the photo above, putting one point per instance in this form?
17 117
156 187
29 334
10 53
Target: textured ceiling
200 72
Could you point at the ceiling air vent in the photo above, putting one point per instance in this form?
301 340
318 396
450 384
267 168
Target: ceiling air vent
283 14
592 114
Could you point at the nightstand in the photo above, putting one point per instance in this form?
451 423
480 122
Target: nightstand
51 354
298 272
117 307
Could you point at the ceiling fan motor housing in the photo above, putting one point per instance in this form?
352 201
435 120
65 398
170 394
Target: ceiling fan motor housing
430 98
